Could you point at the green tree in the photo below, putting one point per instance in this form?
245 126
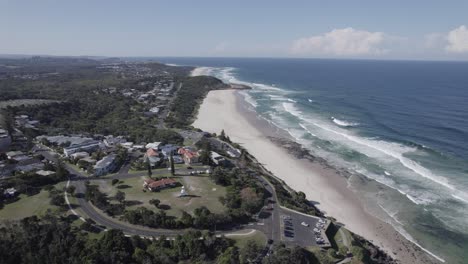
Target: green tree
120 196
150 173
155 202
172 165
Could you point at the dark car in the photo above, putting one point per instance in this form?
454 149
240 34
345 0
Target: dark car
270 241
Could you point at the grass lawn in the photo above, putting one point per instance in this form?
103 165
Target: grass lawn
257 236
202 192
29 205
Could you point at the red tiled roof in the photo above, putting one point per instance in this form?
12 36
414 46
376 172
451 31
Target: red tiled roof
188 153
161 183
152 153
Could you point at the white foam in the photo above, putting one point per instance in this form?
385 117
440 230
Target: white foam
249 99
202 71
460 198
393 150
411 239
291 100
387 173
306 129
310 100
343 123
392 215
411 198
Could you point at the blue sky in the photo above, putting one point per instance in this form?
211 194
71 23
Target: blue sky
325 29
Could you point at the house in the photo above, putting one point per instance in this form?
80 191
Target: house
177 159
111 141
10 192
13 154
33 166
216 158
154 145
45 173
139 147
153 185
89 160
152 156
90 145
79 155
168 149
127 145
189 155
105 165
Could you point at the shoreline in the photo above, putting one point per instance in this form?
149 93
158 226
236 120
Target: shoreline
325 186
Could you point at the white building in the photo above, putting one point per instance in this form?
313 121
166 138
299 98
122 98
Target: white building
85 146
216 158
79 155
154 145
105 165
111 141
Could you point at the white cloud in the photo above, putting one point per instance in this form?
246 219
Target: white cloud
457 40
341 42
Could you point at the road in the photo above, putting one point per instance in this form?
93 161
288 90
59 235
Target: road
268 221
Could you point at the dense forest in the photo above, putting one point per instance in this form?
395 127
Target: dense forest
189 97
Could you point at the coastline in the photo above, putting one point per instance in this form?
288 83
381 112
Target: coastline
323 185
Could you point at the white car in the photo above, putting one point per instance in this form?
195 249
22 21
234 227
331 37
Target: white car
305 224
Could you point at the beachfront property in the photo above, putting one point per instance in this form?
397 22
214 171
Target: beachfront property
90 145
189 155
216 158
153 185
105 165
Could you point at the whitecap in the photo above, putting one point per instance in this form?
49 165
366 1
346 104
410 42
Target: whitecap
310 100
459 198
343 123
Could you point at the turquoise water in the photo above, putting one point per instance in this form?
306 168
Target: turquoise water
401 125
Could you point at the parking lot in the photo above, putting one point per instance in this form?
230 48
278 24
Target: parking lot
302 229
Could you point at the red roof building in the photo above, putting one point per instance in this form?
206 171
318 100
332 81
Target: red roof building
153 185
188 155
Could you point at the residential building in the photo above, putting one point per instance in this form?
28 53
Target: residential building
153 185
168 149
88 160
216 158
13 154
10 192
177 159
45 173
79 155
105 165
90 145
152 156
154 145
111 141
189 155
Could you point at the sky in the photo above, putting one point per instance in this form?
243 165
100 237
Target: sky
417 29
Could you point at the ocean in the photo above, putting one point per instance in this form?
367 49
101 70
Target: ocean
400 125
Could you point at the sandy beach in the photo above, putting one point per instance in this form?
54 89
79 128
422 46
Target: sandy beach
323 185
